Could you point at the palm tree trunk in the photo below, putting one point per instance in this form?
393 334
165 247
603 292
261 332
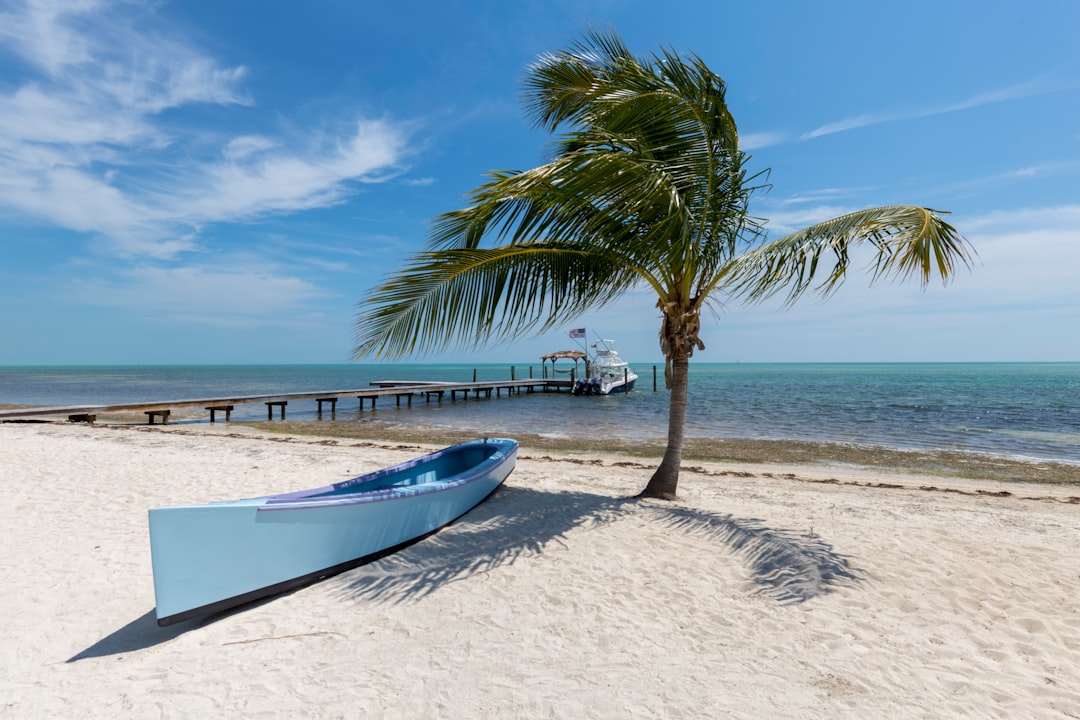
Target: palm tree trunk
665 481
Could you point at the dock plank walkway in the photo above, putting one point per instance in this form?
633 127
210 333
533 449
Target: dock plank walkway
383 388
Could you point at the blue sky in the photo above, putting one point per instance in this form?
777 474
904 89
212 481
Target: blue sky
221 182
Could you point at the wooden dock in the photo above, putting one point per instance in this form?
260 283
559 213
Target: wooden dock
397 389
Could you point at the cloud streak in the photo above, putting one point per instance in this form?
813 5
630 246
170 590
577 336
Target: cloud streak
754 141
1011 92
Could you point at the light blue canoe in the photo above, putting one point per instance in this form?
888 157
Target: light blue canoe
208 558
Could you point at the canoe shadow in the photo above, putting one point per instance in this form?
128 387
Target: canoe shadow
787 566
138 634
144 632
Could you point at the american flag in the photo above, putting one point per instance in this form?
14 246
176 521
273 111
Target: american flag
578 333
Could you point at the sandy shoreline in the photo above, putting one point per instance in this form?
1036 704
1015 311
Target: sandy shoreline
766 591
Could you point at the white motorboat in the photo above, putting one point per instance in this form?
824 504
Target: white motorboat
606 372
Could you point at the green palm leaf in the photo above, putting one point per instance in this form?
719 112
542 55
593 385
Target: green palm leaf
909 242
469 296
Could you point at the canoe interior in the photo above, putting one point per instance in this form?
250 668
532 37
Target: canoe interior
439 468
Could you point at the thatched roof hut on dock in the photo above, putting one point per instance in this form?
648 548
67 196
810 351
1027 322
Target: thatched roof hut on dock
575 355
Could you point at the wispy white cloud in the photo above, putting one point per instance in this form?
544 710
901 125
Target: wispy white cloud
1011 92
818 195
967 186
1063 218
83 144
42 34
753 141
266 178
229 297
240 148
354 253
786 220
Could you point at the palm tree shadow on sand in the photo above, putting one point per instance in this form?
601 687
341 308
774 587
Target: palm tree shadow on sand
785 565
788 566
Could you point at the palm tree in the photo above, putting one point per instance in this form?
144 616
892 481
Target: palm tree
646 187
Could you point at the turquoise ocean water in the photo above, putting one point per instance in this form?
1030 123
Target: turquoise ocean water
1009 409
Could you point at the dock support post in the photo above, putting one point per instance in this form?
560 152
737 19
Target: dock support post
270 408
163 414
333 406
227 409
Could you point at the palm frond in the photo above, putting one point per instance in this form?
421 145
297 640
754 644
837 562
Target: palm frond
564 87
602 200
910 242
667 102
469 296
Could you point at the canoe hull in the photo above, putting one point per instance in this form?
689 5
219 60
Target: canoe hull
208 558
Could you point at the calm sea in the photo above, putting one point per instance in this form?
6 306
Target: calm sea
1016 410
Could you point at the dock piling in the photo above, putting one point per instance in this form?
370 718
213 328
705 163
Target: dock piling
270 408
227 409
333 406
163 414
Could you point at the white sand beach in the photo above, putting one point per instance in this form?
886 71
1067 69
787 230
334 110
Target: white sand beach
764 592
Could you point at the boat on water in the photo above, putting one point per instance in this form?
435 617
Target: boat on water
606 372
209 558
